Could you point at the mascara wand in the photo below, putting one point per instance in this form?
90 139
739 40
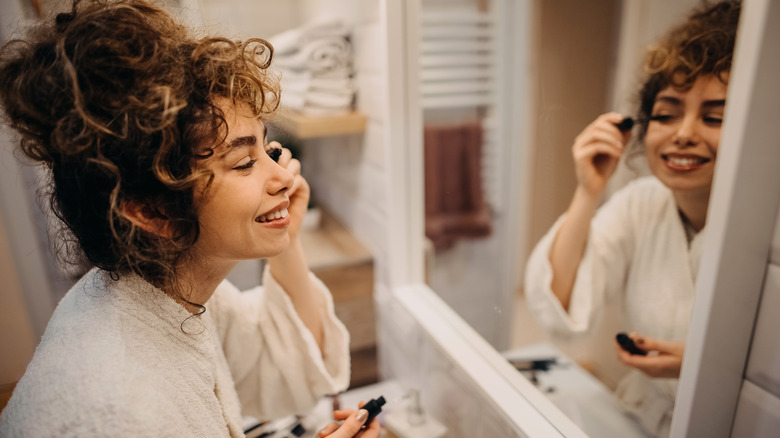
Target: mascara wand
625 125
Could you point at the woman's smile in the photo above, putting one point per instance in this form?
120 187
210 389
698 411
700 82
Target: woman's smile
278 218
684 162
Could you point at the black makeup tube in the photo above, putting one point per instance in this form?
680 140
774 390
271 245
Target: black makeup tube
374 407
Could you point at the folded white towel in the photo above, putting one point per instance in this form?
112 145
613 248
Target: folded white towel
295 39
304 80
317 103
315 111
319 55
296 74
319 98
334 73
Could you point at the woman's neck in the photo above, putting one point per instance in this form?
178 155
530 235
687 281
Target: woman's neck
196 282
694 208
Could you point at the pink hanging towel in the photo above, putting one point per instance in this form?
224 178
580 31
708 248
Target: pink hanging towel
455 205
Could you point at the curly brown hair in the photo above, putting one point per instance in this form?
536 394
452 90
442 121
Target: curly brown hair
117 100
702 45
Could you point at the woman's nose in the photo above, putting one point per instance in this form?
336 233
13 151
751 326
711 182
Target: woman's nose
281 179
687 134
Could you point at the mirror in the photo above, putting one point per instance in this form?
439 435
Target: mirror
585 60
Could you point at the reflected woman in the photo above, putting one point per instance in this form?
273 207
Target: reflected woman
643 245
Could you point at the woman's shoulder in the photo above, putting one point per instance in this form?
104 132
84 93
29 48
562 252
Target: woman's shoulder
82 396
95 364
90 331
102 327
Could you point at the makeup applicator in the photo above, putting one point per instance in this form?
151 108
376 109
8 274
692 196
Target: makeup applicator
625 125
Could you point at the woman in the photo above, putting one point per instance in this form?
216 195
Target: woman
161 170
644 243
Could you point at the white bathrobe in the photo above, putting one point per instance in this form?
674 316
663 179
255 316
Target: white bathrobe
124 359
636 248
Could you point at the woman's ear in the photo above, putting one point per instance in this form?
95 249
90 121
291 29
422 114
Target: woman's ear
146 218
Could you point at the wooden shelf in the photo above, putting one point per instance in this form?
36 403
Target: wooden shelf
303 126
331 245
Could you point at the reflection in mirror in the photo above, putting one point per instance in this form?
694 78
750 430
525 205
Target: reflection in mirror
465 94
639 265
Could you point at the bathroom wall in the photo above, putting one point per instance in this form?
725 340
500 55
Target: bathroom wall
23 315
17 349
348 173
247 18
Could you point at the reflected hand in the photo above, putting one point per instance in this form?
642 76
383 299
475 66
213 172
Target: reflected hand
351 425
597 150
664 358
299 192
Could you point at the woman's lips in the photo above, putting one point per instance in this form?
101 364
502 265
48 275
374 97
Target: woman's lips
274 216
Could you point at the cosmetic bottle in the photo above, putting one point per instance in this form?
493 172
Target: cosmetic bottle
411 421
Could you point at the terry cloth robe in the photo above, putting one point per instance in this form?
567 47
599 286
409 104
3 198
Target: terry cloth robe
637 248
121 358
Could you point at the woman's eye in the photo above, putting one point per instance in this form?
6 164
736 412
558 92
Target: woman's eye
274 153
246 166
713 120
662 118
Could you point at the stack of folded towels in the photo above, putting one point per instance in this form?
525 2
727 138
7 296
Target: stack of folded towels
315 62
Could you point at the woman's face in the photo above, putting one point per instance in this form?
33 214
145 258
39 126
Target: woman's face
683 135
243 214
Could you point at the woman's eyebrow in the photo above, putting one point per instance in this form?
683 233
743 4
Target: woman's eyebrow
669 99
249 140
714 103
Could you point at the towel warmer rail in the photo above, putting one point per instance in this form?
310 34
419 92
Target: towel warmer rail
459 69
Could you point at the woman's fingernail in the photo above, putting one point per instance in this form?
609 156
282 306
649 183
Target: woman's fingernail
362 415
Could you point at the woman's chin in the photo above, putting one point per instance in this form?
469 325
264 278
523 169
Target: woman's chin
278 248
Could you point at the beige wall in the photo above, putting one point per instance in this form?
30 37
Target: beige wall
573 60
573 64
17 339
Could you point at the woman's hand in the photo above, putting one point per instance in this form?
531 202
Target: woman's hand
664 358
351 425
299 192
596 152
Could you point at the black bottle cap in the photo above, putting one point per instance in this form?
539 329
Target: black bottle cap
374 407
